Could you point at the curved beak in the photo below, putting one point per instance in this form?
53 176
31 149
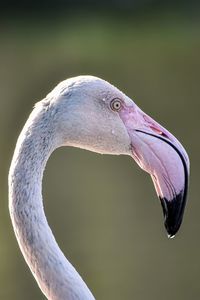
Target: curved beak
160 154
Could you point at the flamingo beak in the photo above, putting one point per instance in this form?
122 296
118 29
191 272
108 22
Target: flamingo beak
160 154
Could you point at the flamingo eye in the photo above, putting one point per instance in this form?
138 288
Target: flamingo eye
116 104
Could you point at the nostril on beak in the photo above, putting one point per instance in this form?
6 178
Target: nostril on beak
158 131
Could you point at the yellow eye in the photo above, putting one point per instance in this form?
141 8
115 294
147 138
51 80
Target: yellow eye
116 104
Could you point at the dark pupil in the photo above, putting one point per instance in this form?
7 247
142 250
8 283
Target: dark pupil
117 105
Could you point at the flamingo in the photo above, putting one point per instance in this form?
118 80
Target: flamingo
89 113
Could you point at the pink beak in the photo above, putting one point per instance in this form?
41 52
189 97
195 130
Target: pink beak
160 154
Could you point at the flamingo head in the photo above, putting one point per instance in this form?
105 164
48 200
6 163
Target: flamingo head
95 115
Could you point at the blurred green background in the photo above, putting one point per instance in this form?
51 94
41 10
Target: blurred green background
103 210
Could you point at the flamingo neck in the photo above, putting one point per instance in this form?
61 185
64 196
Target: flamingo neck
55 275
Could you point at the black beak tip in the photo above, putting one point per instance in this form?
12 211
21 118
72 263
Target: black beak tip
171 229
173 213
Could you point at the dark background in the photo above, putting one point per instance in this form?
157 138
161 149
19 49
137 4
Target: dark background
103 210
